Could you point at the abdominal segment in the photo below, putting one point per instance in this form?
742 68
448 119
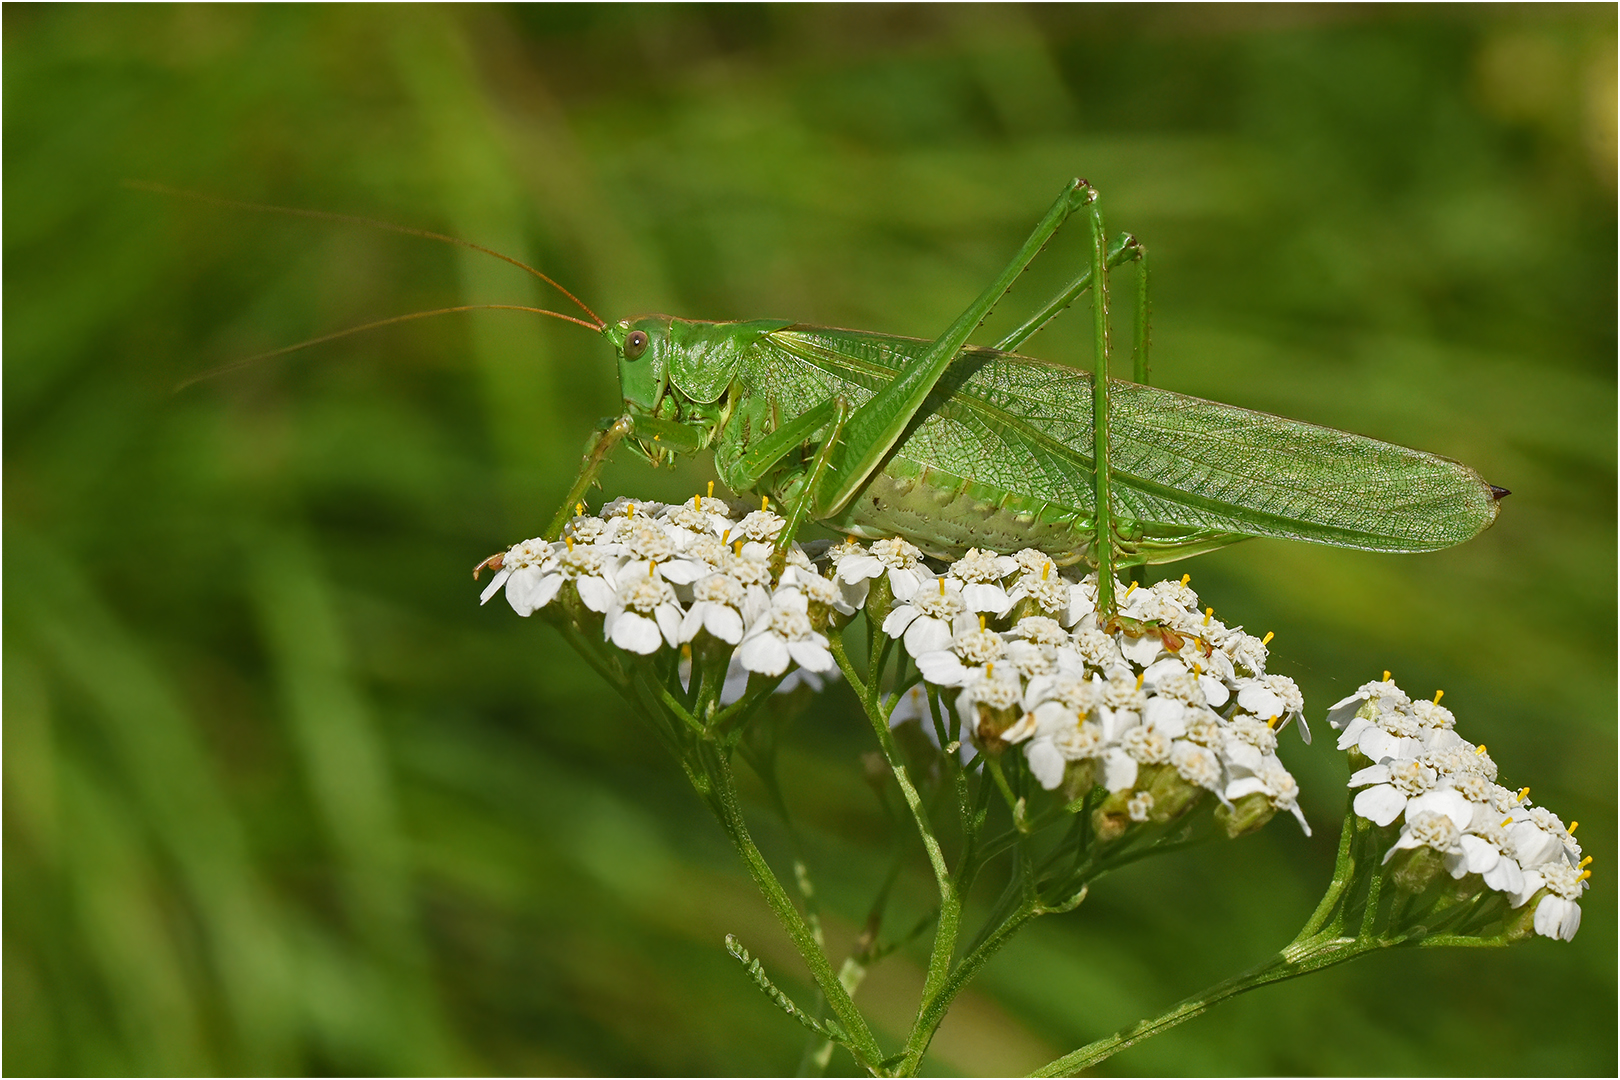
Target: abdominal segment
945 515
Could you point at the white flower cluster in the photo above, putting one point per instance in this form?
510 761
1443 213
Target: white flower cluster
660 575
1172 702
1168 703
1445 790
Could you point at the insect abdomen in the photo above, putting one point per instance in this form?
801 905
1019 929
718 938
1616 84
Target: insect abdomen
945 515
1186 472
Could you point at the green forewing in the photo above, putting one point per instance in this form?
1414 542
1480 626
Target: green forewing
1022 427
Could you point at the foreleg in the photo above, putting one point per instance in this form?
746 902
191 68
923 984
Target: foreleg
608 434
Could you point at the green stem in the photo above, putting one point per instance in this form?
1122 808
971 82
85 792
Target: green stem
865 952
1321 944
992 764
936 1004
733 716
1343 871
950 905
764 766
673 707
972 827
1305 954
727 806
835 645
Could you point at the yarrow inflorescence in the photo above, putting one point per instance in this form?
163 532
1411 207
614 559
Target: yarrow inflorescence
662 577
1161 706
1101 726
1157 708
1412 767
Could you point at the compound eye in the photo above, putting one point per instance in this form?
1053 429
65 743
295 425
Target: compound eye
635 343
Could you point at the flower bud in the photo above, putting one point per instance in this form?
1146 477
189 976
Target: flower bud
1112 818
1522 925
1414 869
992 723
1025 606
710 651
879 599
1467 887
571 611
1245 815
1079 777
1172 796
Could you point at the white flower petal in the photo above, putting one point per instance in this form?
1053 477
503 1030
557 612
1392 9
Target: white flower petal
1380 805
1534 845
1080 605
904 582
1167 715
862 567
1531 883
1380 745
669 622
683 571
1242 755
1244 785
854 594
1023 729
596 593
1505 876
1141 650
895 623
636 633
1045 763
925 635
756 602
547 590
1372 774
1260 701
1052 717
1304 734
1119 770
1352 733
494 585
723 623
522 589
766 654
736 684
810 654
1477 855
991 599
1343 709
966 712
1447 801
1299 815
942 667
1557 918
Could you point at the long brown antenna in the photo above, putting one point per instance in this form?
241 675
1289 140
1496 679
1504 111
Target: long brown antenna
324 215
233 365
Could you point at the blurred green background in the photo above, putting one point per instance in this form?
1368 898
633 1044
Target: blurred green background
280 797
